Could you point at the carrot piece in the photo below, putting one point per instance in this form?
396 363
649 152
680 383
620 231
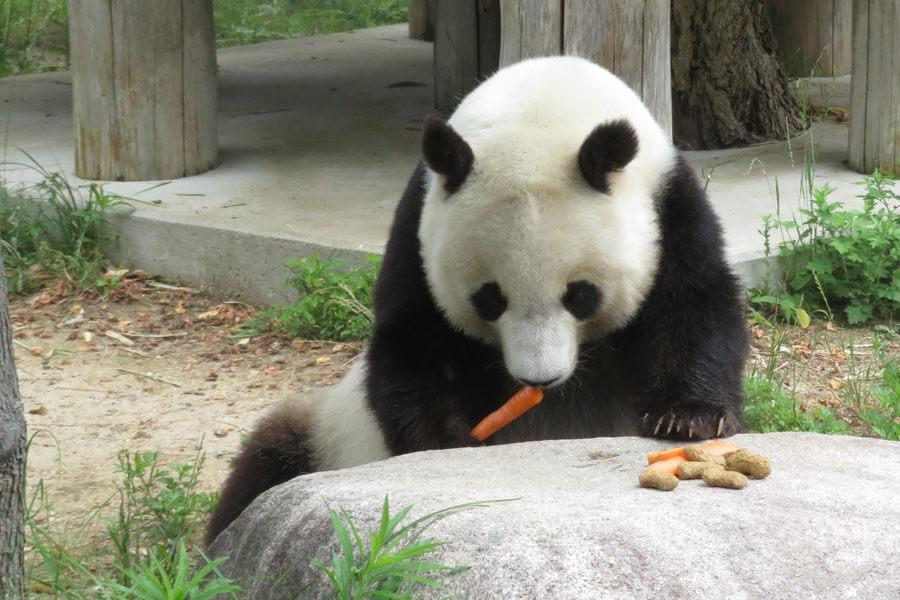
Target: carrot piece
719 447
714 447
526 398
667 465
664 454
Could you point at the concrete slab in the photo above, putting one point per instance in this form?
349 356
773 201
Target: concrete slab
318 136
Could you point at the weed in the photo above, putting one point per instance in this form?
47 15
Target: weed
55 230
392 563
769 408
334 304
159 508
842 259
167 579
883 415
159 511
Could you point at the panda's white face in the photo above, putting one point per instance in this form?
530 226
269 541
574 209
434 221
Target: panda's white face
525 253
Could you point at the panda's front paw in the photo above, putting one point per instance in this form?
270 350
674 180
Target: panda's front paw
691 422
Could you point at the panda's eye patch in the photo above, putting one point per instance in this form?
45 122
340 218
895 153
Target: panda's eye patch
582 298
489 301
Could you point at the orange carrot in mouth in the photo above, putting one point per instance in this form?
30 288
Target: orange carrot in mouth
525 399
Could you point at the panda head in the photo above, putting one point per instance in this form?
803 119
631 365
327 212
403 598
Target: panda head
539 231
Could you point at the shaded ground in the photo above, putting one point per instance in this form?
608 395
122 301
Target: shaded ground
89 393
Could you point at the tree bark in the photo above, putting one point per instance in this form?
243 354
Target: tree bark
728 88
12 462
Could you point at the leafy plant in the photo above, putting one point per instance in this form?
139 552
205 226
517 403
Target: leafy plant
334 304
54 230
159 508
159 512
770 409
391 563
842 259
163 579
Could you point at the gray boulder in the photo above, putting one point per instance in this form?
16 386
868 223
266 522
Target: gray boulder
825 524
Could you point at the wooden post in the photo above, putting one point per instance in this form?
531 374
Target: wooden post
631 39
529 28
875 87
144 88
813 36
421 26
466 47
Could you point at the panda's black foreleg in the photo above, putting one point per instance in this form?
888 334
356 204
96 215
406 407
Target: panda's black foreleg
279 449
691 386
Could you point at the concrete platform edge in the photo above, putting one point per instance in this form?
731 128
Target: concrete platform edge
251 266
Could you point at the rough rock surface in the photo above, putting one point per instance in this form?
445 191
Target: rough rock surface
823 525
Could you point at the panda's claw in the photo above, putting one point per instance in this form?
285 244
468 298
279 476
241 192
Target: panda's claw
690 428
721 426
672 420
658 425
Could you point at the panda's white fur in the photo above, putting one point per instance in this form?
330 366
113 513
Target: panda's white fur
662 354
527 219
345 432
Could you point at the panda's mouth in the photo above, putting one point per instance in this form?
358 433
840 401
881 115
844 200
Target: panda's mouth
546 384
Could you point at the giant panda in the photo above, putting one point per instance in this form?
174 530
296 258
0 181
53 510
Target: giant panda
552 237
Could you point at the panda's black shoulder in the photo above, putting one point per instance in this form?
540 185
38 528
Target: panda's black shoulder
693 275
691 232
401 292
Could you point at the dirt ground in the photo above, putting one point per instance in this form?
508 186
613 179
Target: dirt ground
146 369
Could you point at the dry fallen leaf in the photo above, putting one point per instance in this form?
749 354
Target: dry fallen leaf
323 360
40 410
835 384
221 432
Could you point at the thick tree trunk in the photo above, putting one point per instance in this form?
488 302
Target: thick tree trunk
12 462
728 88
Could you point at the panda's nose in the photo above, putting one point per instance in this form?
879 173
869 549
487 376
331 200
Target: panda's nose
540 384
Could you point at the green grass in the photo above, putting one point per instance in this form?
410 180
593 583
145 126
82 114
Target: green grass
144 553
34 36
770 408
334 303
389 562
251 21
54 230
34 33
883 412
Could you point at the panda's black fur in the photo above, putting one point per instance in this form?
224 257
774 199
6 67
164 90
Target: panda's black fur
674 371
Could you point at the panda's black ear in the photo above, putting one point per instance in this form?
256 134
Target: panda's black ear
446 152
608 148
